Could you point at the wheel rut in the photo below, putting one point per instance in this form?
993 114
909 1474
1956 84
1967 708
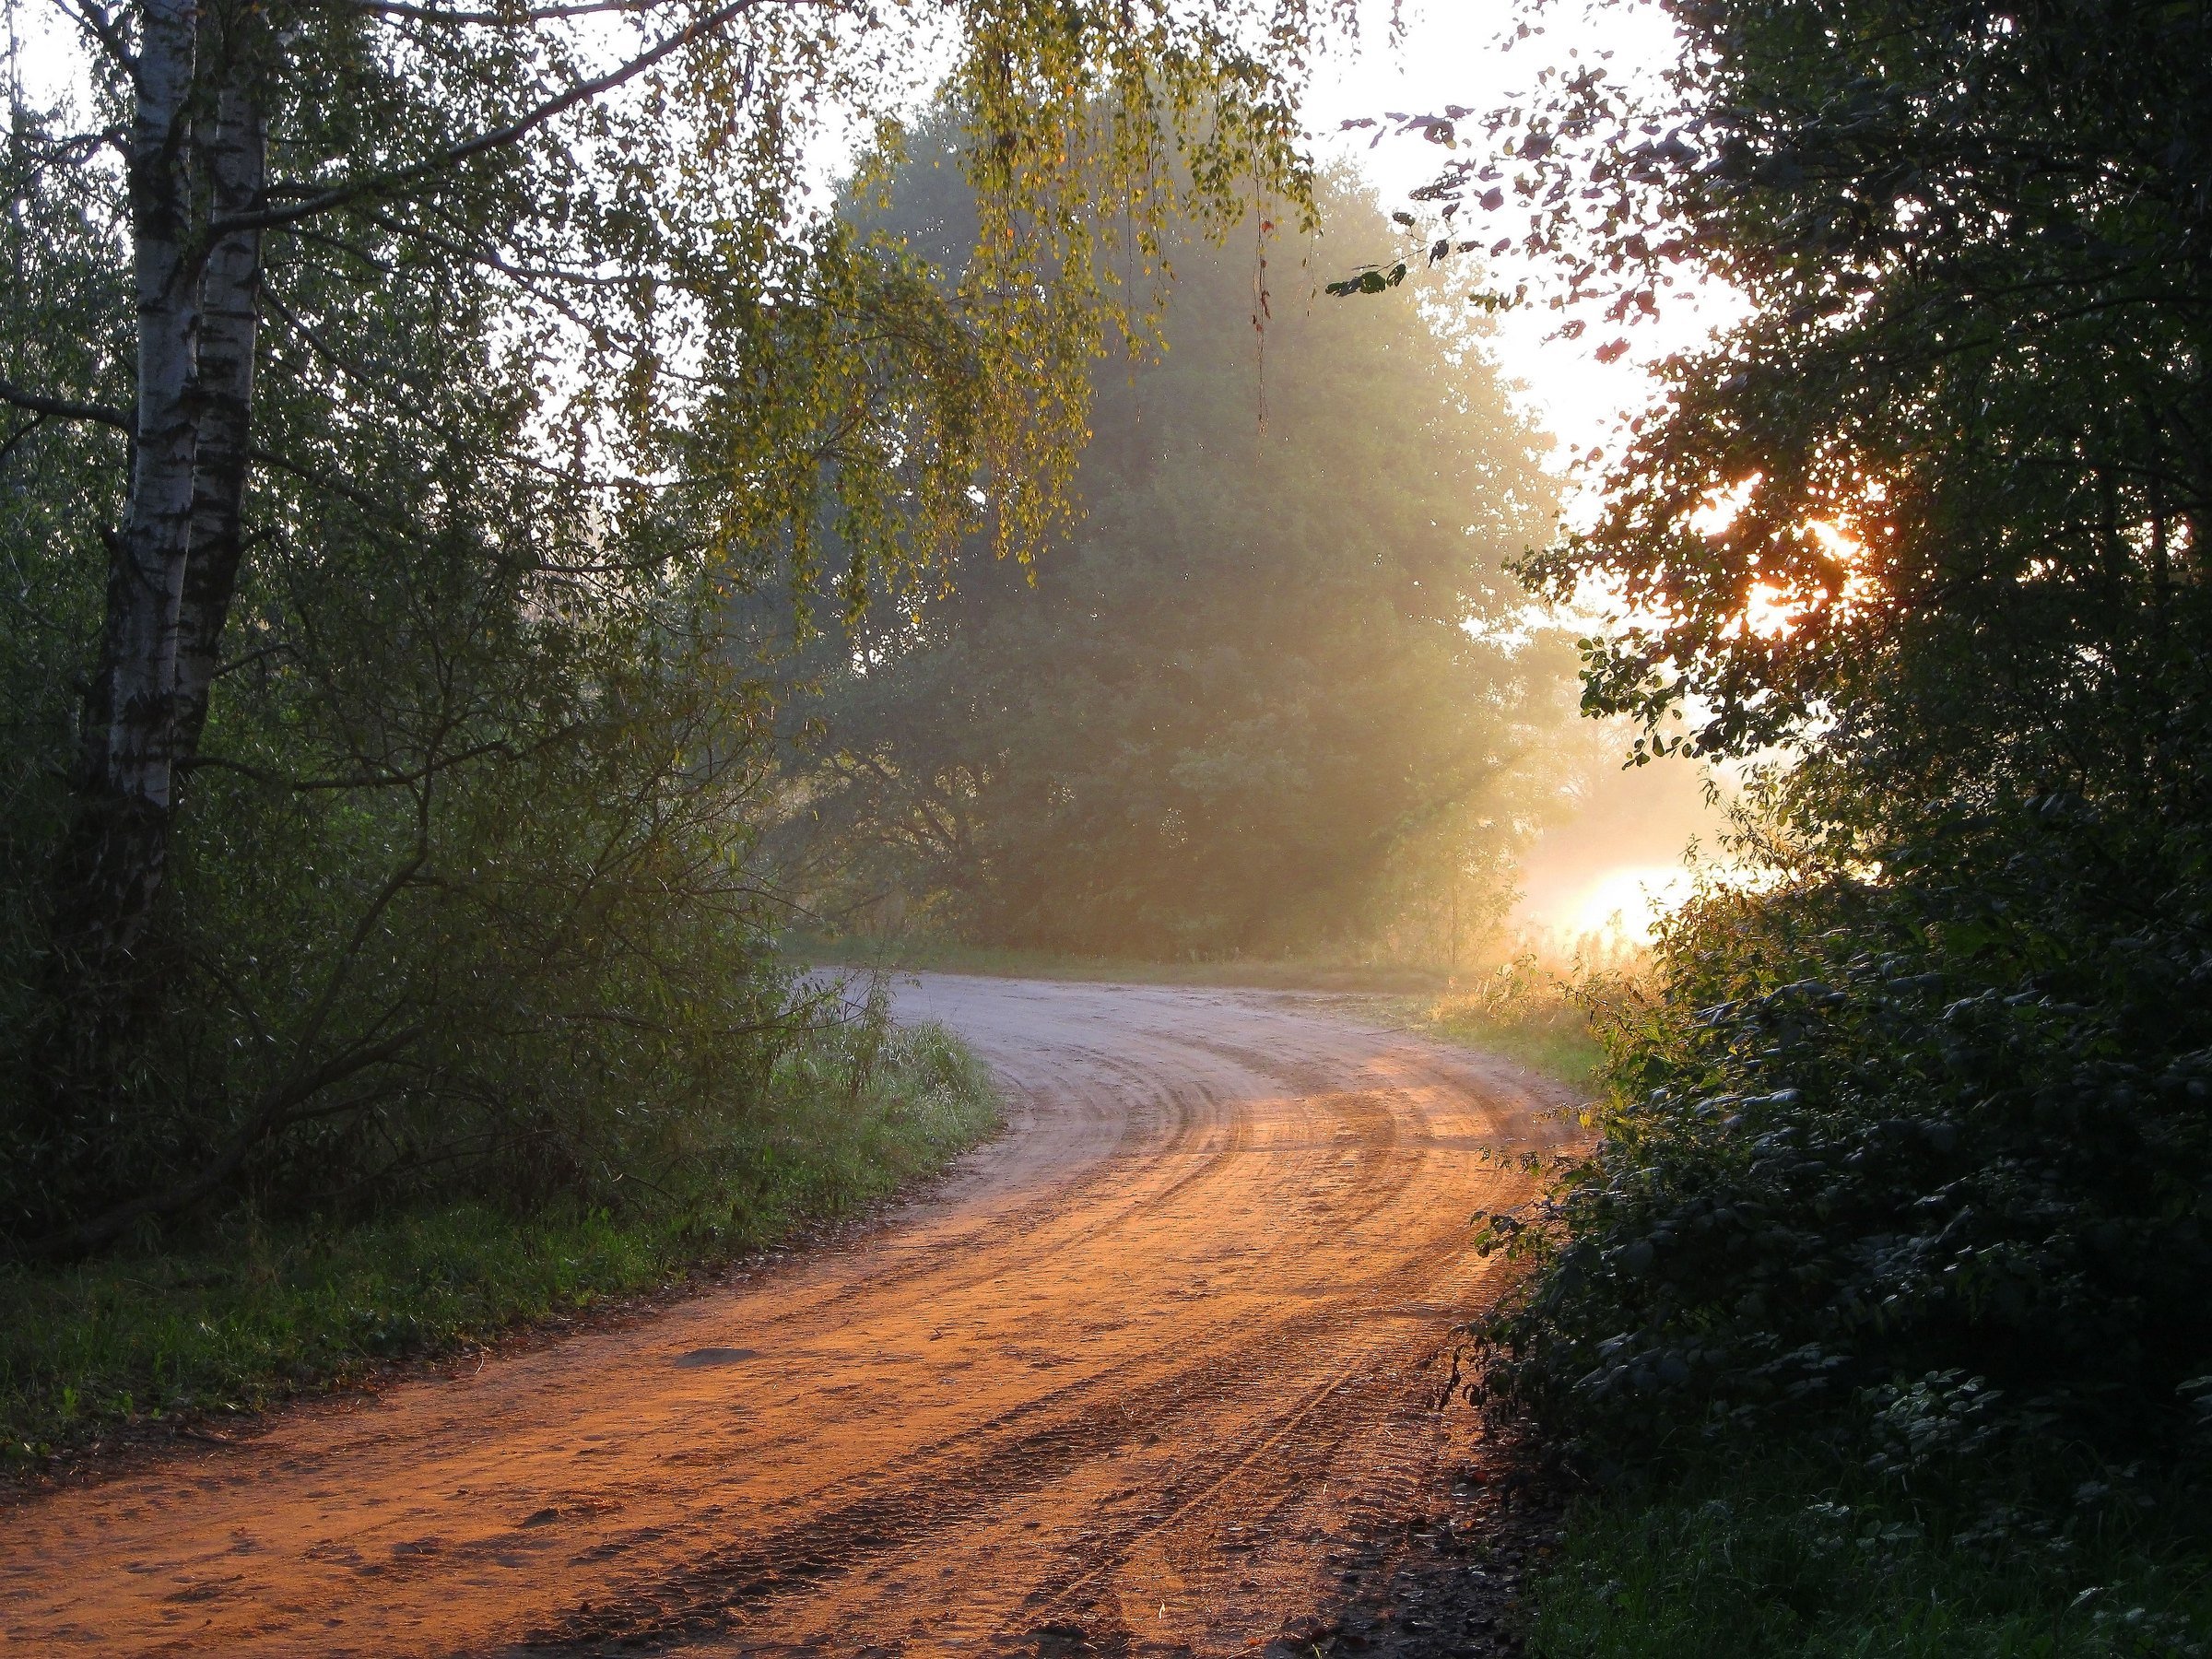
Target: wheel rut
1126 1384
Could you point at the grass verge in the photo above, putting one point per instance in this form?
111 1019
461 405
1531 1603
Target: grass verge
1775 1556
1536 1015
247 1314
1555 1040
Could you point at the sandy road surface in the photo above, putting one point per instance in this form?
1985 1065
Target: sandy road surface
1123 1385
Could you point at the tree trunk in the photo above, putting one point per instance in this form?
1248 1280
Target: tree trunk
229 320
111 864
173 566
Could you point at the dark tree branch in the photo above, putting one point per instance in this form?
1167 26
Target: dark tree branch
61 408
27 429
95 21
398 179
386 779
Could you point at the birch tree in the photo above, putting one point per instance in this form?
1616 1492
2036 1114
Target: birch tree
361 280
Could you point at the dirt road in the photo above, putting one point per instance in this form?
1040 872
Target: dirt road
1131 1382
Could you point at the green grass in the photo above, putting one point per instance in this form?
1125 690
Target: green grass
1537 1015
1554 1041
246 1314
1743 1559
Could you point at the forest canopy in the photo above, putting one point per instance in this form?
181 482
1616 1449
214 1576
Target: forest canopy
1274 694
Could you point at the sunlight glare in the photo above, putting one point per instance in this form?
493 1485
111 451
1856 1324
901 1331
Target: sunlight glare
1628 901
1721 507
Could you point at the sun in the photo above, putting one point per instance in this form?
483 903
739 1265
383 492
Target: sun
1628 901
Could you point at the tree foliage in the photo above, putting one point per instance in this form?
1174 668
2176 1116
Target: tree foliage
1923 1126
1270 696
403 394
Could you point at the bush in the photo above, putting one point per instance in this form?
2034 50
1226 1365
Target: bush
1916 1164
246 1308
1786 1557
1540 1014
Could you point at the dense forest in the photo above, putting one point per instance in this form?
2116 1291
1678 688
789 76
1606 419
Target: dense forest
1274 692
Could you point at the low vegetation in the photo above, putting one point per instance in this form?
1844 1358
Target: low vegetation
247 1309
1542 1015
1800 1558
1875 1264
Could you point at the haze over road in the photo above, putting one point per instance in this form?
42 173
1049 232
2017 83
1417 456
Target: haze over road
1133 1371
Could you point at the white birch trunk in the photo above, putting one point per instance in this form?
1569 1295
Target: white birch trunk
139 668
236 153
114 865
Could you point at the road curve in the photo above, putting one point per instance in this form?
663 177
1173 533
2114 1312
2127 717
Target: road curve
1122 1385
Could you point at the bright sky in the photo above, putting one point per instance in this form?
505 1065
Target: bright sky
1453 52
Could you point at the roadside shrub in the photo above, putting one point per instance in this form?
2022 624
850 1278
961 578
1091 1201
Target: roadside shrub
242 1306
1920 1164
1539 1013
1737 1557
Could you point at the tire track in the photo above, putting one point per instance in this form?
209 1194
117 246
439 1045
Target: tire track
1123 1386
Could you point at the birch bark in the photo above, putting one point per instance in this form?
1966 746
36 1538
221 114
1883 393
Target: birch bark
236 153
113 864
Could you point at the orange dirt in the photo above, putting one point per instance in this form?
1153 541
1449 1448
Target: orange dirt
1123 1384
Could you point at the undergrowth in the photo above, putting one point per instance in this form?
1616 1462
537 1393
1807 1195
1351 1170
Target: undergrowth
247 1310
1536 1014
1774 1555
1916 1177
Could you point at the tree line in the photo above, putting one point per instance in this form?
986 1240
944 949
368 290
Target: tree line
1907 1149
1274 692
